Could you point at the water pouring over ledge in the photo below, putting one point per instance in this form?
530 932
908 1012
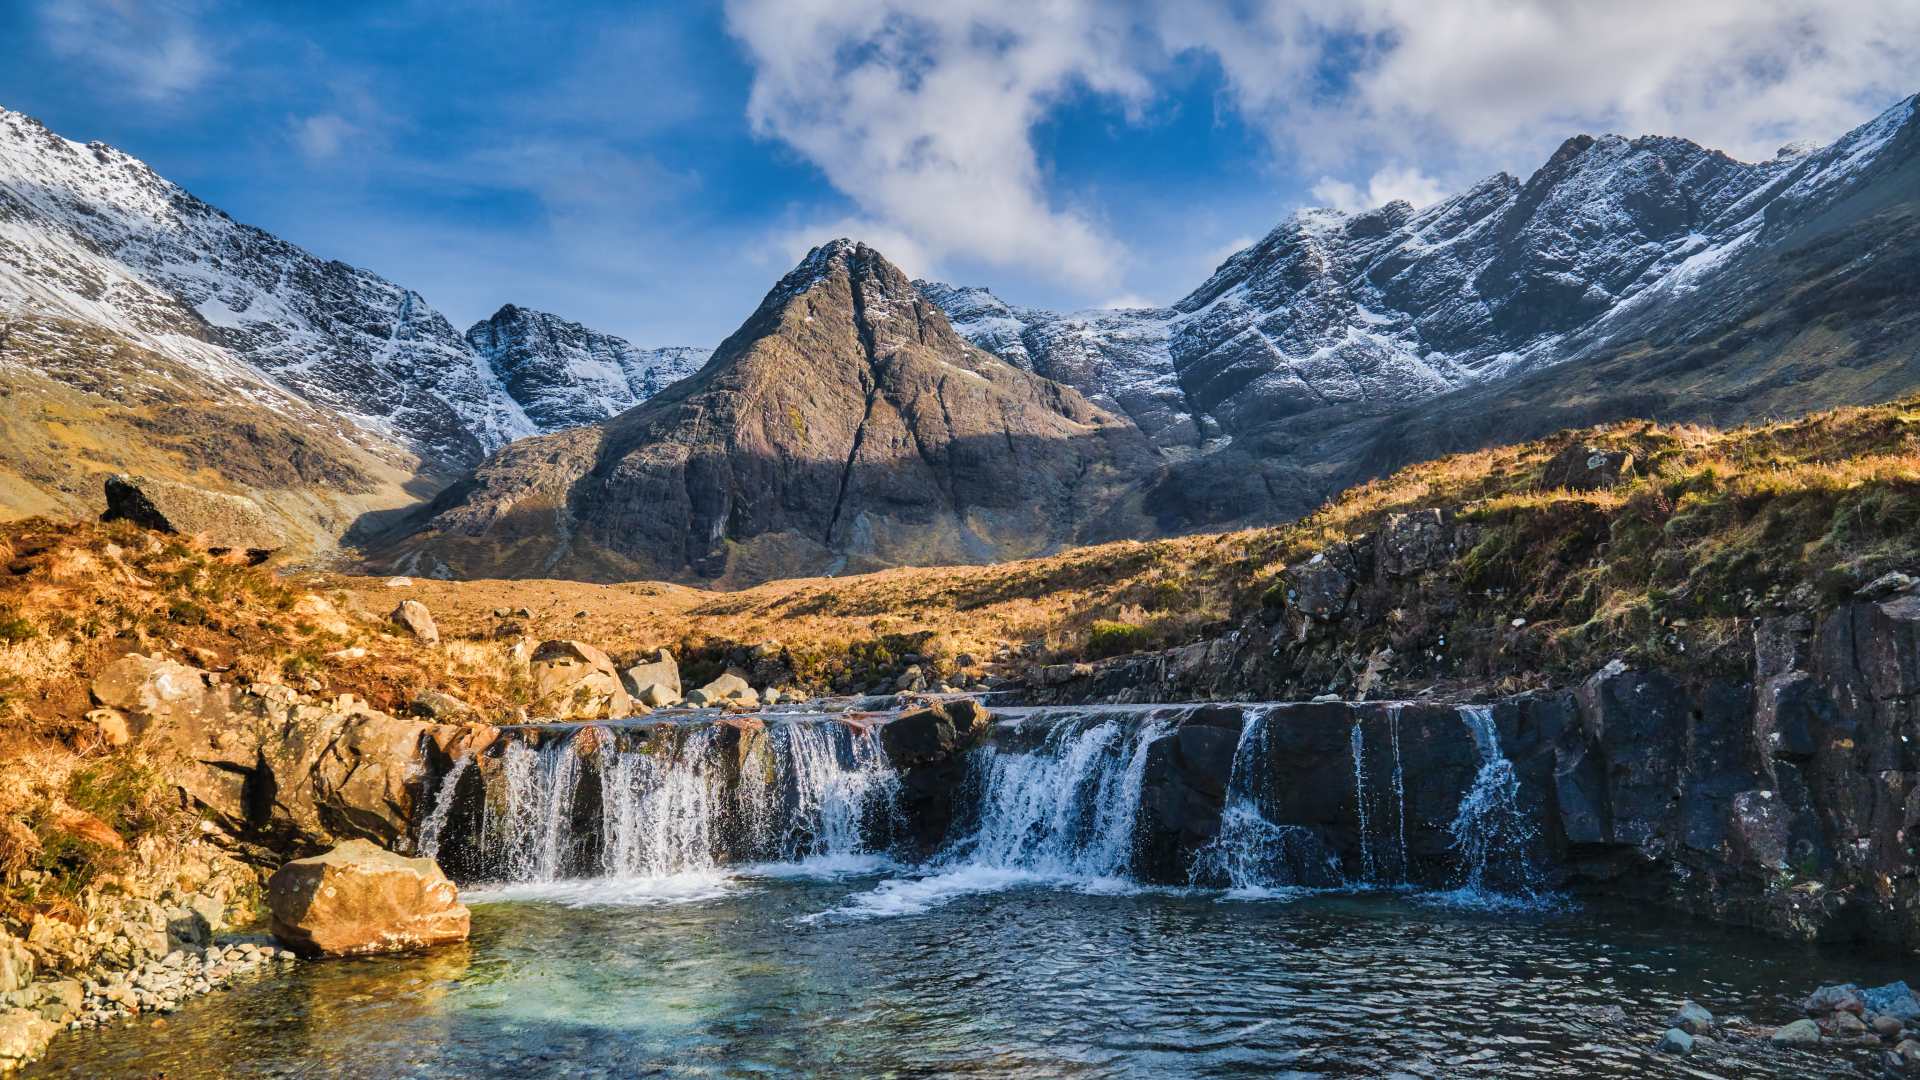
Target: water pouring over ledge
1112 798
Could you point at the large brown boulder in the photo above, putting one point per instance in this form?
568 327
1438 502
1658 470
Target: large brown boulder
150 688
572 680
413 617
655 682
359 899
224 522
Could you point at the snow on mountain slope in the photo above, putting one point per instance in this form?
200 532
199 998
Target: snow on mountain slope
564 374
91 234
1372 311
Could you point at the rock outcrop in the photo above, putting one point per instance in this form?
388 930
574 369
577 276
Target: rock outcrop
275 770
845 426
223 521
358 899
929 747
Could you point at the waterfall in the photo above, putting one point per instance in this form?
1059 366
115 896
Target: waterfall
1359 743
1066 809
1252 855
1399 791
1491 831
670 801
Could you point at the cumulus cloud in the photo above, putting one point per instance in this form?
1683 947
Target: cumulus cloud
152 48
1383 187
922 114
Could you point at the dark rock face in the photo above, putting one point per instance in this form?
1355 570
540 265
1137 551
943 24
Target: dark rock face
1587 468
929 749
844 427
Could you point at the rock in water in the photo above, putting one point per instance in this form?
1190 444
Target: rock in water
225 522
414 617
1692 1019
1798 1033
359 899
1676 1041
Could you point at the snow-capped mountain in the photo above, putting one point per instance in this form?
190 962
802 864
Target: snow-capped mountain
90 233
564 374
1370 312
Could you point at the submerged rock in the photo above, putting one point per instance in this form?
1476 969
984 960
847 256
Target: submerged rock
1692 1019
1798 1033
359 899
1676 1041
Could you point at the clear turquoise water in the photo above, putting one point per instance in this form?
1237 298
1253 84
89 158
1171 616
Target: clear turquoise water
748 978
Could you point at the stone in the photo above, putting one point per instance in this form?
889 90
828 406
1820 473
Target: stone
573 680
937 731
1848 1025
399 583
1887 584
60 1000
23 1036
1317 589
16 964
1692 1018
359 898
662 671
1581 467
150 689
1895 999
111 724
438 705
656 696
1835 997
1676 1041
730 687
222 521
913 679
1887 1027
413 617
318 612
1908 1051
1409 544
1798 1033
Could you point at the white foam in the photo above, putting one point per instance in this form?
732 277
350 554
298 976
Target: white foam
685 888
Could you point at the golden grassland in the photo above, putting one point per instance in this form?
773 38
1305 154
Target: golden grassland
1714 528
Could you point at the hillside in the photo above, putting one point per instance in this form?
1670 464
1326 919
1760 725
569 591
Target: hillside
843 427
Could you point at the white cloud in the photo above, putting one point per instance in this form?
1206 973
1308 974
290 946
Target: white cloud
153 48
1126 301
320 137
922 115
1386 185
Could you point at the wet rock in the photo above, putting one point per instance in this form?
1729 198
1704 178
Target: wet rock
224 522
1887 1027
1580 467
574 680
1836 997
1676 1041
358 899
1760 829
1895 999
929 748
1691 1018
1798 1033
413 617
1846 1025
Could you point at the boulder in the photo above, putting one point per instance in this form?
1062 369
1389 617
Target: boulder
935 732
112 726
23 1036
575 681
1412 543
656 681
149 690
438 705
413 617
1580 467
359 898
730 688
1896 999
222 521
1676 1041
1798 1033
1848 1025
1317 589
1833 998
1692 1019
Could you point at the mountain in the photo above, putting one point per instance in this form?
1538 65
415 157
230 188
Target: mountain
143 330
1645 276
565 375
845 426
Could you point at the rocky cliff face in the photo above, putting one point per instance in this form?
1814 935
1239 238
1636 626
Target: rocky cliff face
566 375
844 426
1645 276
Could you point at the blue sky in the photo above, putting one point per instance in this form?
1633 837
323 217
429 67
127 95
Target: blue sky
650 169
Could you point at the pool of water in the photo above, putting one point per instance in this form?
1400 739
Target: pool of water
796 971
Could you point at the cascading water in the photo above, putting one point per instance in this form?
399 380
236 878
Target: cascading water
1491 831
671 802
1359 742
1252 855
